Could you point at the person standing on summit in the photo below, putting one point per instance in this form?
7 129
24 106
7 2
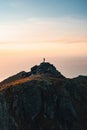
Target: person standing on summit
43 59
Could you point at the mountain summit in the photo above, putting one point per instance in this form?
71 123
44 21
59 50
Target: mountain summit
43 99
45 68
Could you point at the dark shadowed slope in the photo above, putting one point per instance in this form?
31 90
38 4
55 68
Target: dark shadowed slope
13 78
43 99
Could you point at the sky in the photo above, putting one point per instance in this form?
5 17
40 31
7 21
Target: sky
33 29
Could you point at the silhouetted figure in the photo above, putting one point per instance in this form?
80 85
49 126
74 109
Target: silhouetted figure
43 59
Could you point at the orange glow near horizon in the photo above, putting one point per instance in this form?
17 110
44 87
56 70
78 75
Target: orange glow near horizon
49 49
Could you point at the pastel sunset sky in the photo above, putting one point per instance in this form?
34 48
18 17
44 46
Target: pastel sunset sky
33 29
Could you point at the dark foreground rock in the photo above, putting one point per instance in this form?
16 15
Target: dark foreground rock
40 102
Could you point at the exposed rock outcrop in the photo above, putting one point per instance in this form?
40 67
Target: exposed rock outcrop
46 68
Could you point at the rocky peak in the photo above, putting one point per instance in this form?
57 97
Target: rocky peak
46 68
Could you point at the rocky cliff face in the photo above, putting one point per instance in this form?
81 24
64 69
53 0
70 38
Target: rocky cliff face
41 100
